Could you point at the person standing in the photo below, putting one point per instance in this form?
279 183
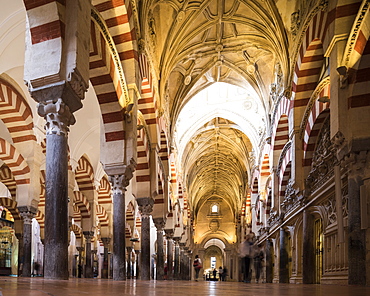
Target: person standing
197 266
220 271
246 253
258 258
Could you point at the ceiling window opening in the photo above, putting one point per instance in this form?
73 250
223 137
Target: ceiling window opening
214 209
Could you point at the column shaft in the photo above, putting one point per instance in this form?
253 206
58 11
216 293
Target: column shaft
160 255
169 258
283 264
56 208
308 271
145 248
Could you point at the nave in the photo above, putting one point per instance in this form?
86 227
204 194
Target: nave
42 287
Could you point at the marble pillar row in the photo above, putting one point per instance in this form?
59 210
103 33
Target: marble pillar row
145 208
159 224
169 237
308 256
88 266
79 267
356 162
138 262
119 184
27 240
104 272
176 265
20 253
269 266
283 263
129 262
58 119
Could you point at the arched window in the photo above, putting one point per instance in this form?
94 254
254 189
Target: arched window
214 209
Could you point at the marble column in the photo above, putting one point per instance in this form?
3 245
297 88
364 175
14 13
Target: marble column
356 163
88 266
27 240
58 119
20 253
119 184
283 263
308 256
176 265
79 268
159 224
129 262
145 208
269 266
104 273
138 262
169 236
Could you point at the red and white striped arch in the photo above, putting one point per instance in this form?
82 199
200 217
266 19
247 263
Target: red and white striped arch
309 60
82 203
265 166
15 162
105 192
7 178
15 113
46 20
84 174
11 205
361 82
119 20
76 213
42 189
76 230
159 199
142 168
40 218
284 180
107 84
102 215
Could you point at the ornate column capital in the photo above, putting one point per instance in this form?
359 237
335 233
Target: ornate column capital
106 241
80 249
159 223
88 234
57 115
176 239
119 183
27 214
169 233
355 162
145 205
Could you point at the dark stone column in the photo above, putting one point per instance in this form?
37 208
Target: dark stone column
58 119
138 262
129 262
283 264
88 266
355 163
145 207
79 267
308 257
119 184
27 240
169 236
176 268
159 224
20 253
269 261
104 272
182 272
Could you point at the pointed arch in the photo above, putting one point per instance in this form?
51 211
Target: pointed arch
76 230
11 205
102 215
82 203
105 191
15 161
84 174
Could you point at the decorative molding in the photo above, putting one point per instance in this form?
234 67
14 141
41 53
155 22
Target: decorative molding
57 115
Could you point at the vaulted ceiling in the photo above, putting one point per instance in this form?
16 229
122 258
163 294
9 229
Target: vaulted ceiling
194 44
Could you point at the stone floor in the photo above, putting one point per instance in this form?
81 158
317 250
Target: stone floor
73 287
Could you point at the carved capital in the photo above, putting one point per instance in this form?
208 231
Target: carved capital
119 183
145 205
88 235
80 249
106 241
57 115
169 233
27 217
77 83
355 162
159 223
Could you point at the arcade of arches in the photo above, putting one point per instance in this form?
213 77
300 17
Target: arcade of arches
137 134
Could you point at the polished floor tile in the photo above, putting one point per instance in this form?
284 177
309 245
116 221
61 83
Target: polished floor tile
78 287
